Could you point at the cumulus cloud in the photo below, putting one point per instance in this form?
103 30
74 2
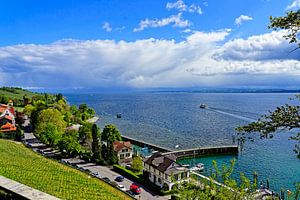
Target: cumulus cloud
202 59
106 26
242 18
175 20
294 5
182 7
268 46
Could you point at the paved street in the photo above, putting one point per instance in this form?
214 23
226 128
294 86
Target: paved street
106 172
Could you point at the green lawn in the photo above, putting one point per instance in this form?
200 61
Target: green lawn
23 165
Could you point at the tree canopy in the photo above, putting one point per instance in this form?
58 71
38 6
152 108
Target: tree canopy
290 22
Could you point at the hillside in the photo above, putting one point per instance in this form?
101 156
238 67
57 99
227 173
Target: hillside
25 166
16 93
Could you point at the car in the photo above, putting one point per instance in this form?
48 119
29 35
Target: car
135 188
122 187
97 174
119 178
106 179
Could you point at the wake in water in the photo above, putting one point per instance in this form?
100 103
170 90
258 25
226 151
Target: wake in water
231 114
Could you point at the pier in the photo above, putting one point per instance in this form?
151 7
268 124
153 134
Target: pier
205 151
199 151
146 144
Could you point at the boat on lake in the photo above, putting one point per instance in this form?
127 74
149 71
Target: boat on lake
203 106
198 167
119 115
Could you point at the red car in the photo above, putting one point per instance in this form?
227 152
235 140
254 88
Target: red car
136 189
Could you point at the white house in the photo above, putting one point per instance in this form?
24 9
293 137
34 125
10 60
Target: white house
163 171
123 150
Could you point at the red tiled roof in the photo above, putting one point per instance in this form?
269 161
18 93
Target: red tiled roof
8 127
8 117
3 107
120 145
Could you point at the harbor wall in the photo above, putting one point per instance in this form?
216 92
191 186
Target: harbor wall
197 152
205 151
145 144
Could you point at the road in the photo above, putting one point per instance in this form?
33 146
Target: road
107 172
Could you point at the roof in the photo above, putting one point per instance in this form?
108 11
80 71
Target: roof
8 127
118 145
3 107
164 163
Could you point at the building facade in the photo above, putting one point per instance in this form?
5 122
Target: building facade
163 171
123 150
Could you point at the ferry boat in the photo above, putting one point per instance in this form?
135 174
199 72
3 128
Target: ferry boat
203 106
198 167
119 115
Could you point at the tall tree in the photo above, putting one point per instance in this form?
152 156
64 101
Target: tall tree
111 134
96 147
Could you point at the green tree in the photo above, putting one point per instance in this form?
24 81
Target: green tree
289 22
85 135
52 116
69 144
137 164
111 134
50 135
96 146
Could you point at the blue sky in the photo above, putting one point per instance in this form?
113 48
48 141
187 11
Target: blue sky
145 44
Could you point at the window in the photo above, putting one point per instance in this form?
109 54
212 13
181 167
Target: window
127 154
166 176
121 156
176 177
159 180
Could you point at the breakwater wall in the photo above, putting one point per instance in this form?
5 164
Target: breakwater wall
200 151
205 151
146 144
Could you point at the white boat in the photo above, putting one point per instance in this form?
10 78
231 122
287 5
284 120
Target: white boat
198 167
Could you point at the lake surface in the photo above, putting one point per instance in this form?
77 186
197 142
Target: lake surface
170 119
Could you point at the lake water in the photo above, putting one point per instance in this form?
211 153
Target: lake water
170 119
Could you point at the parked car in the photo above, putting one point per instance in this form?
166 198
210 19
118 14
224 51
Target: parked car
122 187
119 178
135 188
106 179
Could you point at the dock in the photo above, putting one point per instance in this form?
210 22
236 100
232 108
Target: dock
199 151
205 151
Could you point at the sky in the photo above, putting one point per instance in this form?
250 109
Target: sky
145 44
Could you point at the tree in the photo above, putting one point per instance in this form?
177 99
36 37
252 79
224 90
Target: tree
111 134
137 164
69 144
52 116
286 116
96 147
290 22
50 135
85 135
207 189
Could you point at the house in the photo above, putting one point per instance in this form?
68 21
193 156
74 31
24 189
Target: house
123 150
7 117
164 171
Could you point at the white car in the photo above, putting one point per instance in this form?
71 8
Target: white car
122 187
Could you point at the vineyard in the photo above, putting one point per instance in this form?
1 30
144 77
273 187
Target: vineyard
25 166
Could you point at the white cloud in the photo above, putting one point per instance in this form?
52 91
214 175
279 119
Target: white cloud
182 7
175 20
260 47
202 59
242 18
294 5
106 26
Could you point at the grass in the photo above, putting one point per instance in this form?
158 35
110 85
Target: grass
25 166
17 94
